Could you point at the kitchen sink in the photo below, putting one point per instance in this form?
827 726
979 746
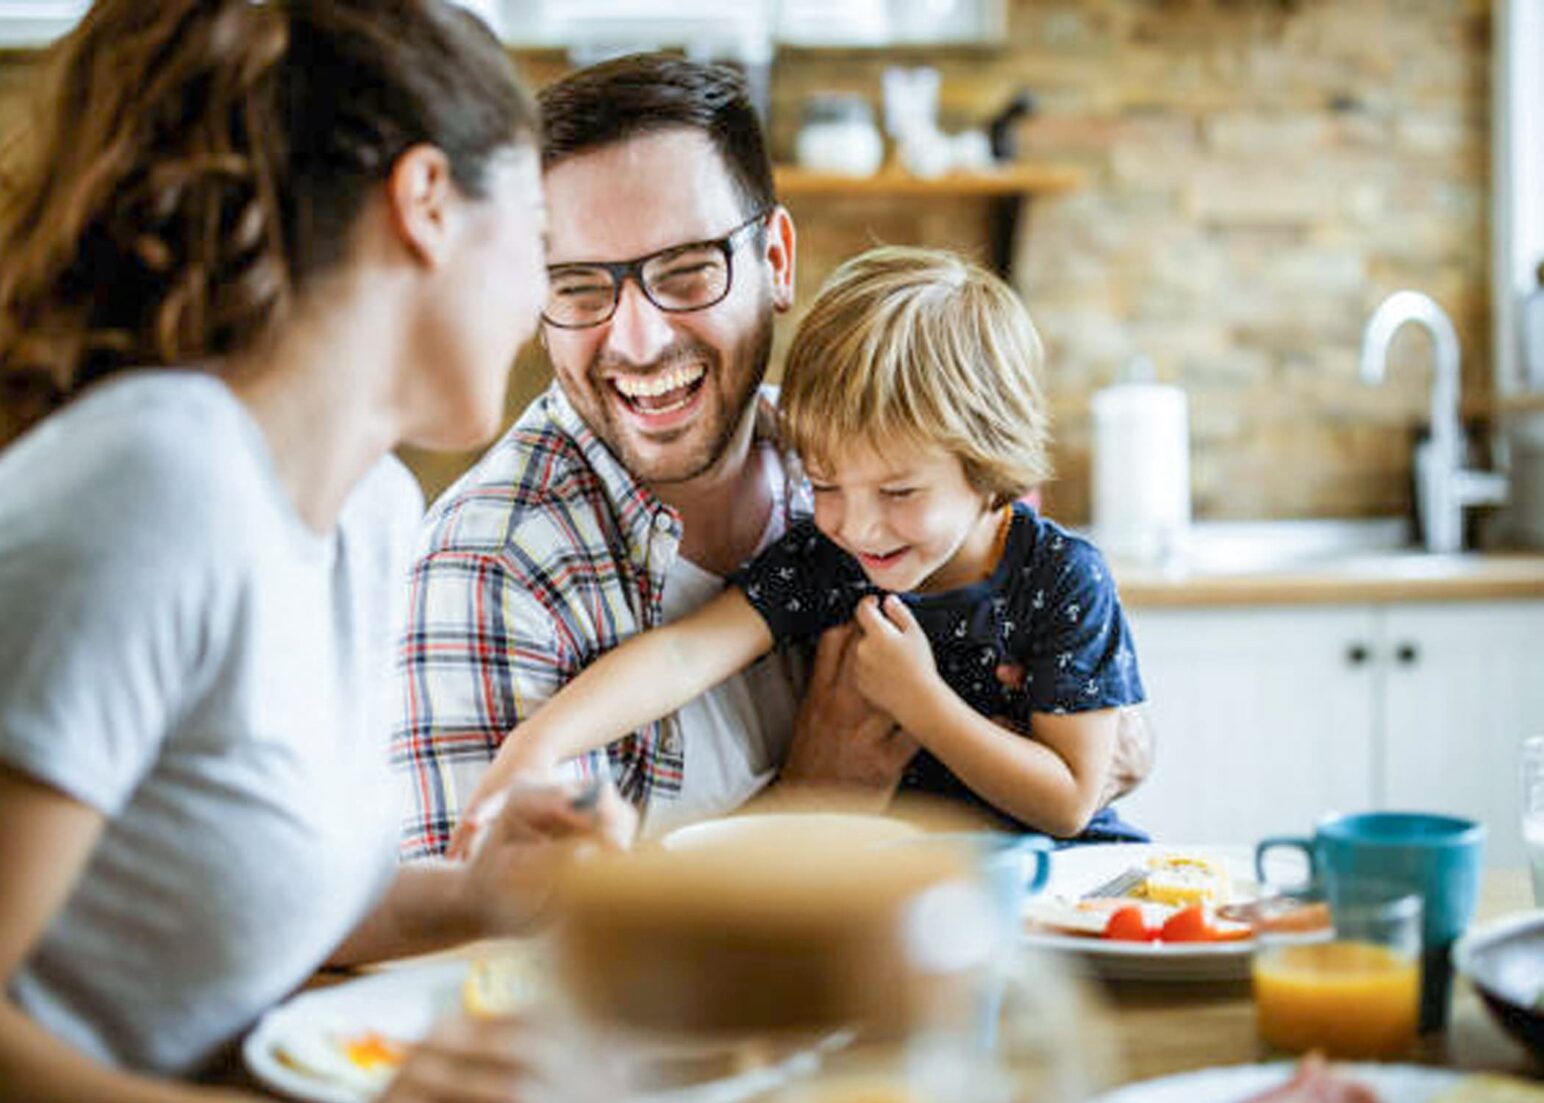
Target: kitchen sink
1228 547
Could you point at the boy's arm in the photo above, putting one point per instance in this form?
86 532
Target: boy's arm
649 676
1054 782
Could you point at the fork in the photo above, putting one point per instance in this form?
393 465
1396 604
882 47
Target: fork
1121 884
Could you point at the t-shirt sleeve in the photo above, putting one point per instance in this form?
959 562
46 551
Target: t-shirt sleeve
1080 656
106 626
800 584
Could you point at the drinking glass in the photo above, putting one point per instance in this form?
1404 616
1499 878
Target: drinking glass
1351 988
1533 811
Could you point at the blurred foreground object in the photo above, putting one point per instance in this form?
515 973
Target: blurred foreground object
858 968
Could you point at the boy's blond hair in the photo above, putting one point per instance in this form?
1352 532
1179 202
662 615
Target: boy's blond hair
906 346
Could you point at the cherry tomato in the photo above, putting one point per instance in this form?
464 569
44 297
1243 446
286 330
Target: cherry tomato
1127 925
1188 925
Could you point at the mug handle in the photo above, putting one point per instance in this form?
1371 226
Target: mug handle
1284 842
1040 846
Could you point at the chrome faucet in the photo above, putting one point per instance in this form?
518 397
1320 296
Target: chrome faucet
1443 486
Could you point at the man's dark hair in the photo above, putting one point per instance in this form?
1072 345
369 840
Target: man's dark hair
647 93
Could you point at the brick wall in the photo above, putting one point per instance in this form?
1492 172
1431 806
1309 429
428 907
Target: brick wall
1259 174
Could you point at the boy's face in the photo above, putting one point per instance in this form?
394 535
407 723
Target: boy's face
664 391
907 514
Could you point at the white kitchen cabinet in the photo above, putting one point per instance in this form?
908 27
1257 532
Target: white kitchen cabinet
1269 717
1463 685
1262 721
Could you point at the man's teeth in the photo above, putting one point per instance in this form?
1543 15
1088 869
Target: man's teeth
651 386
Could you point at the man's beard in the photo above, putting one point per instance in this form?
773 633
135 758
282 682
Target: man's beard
736 382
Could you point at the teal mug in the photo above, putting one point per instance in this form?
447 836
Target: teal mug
1437 857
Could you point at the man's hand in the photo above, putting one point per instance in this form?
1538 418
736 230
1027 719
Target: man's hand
527 831
1133 760
840 741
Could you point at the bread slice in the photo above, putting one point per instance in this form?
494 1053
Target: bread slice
501 984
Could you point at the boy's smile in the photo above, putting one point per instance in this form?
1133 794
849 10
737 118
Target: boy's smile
907 514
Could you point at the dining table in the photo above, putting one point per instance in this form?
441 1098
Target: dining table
1136 1030
1152 1029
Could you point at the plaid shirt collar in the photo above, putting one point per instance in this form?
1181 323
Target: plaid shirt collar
633 504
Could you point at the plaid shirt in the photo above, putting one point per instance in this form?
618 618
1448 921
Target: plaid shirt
542 557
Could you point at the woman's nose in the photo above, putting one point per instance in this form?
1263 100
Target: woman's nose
639 331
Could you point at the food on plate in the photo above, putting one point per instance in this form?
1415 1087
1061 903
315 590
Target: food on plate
1197 923
1316 1082
1172 897
1183 879
1128 924
363 1060
501 984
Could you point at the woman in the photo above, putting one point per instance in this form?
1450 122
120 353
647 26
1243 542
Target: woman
320 223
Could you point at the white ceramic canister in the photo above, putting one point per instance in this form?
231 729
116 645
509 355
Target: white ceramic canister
1141 472
839 136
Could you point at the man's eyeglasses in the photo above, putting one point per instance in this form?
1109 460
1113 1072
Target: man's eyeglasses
679 279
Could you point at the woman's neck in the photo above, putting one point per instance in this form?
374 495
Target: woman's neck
319 393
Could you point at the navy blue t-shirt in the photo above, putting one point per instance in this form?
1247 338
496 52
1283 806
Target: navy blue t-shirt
1049 607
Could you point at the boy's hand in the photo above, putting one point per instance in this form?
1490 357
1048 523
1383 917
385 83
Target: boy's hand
892 662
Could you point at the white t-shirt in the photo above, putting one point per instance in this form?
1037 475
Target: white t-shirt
181 653
735 735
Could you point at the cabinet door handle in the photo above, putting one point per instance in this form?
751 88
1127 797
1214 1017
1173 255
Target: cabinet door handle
1357 654
1408 654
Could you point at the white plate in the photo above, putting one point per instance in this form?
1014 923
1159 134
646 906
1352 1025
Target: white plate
795 830
400 1003
1392 1083
1078 869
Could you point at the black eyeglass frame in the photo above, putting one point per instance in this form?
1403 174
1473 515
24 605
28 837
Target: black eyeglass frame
621 271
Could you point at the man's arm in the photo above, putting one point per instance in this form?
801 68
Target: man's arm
842 746
641 680
480 653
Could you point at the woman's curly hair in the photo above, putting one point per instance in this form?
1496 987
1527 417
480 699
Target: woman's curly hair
195 162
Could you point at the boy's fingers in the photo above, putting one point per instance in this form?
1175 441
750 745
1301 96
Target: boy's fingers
900 614
870 619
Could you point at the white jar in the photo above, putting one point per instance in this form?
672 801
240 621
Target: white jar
839 136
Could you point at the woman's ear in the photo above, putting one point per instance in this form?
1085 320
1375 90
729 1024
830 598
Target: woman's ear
780 255
419 197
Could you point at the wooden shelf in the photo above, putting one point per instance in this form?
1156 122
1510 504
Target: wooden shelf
1024 179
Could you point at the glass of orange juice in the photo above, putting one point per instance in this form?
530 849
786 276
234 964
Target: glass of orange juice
1351 988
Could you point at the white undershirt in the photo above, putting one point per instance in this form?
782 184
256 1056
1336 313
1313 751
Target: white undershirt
735 735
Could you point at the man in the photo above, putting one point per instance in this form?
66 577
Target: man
624 495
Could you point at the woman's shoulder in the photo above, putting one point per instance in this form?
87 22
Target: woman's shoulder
139 427
146 464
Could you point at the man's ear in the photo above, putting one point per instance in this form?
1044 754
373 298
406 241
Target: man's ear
780 255
419 195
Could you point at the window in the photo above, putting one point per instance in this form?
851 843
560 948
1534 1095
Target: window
1518 174
38 22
